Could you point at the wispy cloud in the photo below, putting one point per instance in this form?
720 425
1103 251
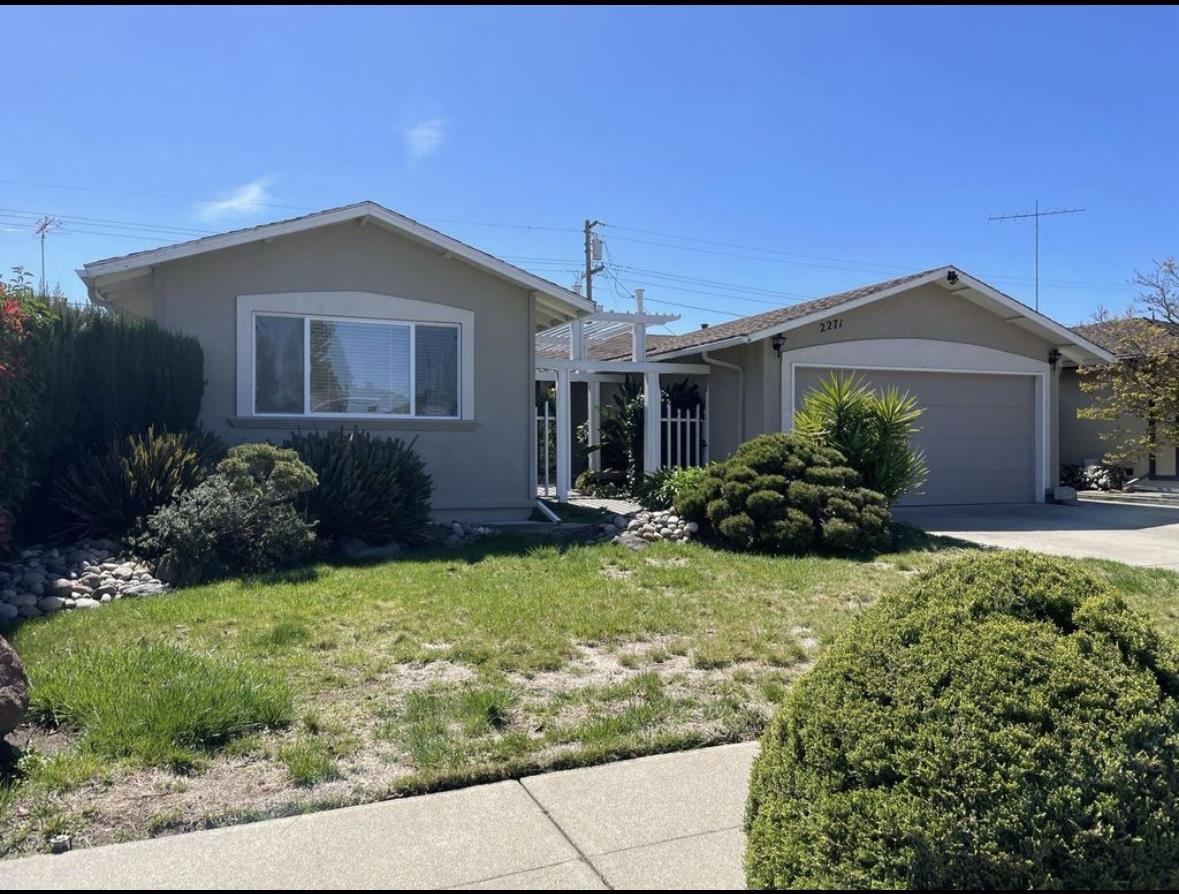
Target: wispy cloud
423 138
243 200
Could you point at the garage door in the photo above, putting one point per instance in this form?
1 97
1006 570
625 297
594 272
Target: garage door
978 432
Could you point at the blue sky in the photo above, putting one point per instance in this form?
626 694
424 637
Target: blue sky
837 147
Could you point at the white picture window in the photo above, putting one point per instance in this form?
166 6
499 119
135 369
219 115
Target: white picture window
329 366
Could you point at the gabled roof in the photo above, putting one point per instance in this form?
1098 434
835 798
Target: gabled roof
765 325
126 266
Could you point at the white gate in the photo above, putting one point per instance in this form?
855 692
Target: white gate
683 437
546 449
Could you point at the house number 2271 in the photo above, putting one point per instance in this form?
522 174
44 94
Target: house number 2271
830 325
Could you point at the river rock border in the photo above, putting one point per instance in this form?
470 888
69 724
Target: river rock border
648 527
87 575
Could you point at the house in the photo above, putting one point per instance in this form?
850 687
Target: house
985 367
359 316
1081 441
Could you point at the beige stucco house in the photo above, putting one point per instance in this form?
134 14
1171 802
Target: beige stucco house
986 367
359 316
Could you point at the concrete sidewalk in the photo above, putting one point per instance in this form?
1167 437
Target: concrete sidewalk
669 821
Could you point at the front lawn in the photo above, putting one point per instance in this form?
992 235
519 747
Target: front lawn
341 684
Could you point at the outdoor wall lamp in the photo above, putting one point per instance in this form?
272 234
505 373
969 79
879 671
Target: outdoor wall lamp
1053 358
776 343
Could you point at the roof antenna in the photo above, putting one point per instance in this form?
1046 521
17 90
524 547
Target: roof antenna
1036 215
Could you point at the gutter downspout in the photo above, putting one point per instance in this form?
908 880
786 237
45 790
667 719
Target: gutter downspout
724 364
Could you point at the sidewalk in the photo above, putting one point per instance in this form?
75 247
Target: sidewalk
669 821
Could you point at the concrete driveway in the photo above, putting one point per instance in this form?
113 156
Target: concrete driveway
1134 534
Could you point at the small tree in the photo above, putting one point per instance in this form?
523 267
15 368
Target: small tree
1143 385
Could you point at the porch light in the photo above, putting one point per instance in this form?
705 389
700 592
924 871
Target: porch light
777 342
1053 357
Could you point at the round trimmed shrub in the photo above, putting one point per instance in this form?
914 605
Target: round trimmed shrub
783 493
1005 722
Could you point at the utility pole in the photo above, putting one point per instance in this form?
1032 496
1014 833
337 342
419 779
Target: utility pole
1036 215
593 252
42 228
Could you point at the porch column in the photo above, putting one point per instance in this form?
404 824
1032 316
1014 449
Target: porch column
564 446
593 415
652 427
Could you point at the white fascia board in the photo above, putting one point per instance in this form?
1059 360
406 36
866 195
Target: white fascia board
623 366
90 273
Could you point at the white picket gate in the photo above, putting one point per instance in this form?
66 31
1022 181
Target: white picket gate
683 437
546 449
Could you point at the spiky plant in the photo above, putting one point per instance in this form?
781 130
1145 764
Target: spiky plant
871 429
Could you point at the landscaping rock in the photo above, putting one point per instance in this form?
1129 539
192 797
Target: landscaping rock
14 689
86 575
651 527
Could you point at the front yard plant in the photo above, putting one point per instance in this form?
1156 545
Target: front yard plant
783 493
241 520
369 488
1006 721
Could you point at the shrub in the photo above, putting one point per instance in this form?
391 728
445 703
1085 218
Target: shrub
1005 722
871 430
1094 476
157 703
114 491
660 489
601 484
785 494
240 520
375 489
88 376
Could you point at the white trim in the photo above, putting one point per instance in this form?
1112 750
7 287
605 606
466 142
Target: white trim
622 366
1024 312
573 303
359 306
908 355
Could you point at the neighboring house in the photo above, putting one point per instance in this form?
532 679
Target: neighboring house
984 366
358 316
1081 441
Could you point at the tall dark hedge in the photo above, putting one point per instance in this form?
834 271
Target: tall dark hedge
1005 722
91 376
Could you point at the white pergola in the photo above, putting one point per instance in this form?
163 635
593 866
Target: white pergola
563 356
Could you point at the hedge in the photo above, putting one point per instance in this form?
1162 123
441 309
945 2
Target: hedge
88 377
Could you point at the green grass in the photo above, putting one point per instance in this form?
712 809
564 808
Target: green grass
440 668
309 761
159 703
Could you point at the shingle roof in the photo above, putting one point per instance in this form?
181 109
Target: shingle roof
701 338
1106 334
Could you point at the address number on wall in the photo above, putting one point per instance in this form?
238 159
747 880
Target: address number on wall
830 325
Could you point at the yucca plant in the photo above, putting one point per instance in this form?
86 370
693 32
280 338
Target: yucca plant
871 429
110 493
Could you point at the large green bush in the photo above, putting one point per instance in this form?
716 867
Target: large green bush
783 493
241 520
112 492
871 430
87 377
372 488
1005 722
660 489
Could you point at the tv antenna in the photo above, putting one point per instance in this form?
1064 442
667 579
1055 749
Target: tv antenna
1036 215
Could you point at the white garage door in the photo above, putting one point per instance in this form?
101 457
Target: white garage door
978 432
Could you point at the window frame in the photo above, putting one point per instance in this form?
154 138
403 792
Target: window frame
308 318
354 307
